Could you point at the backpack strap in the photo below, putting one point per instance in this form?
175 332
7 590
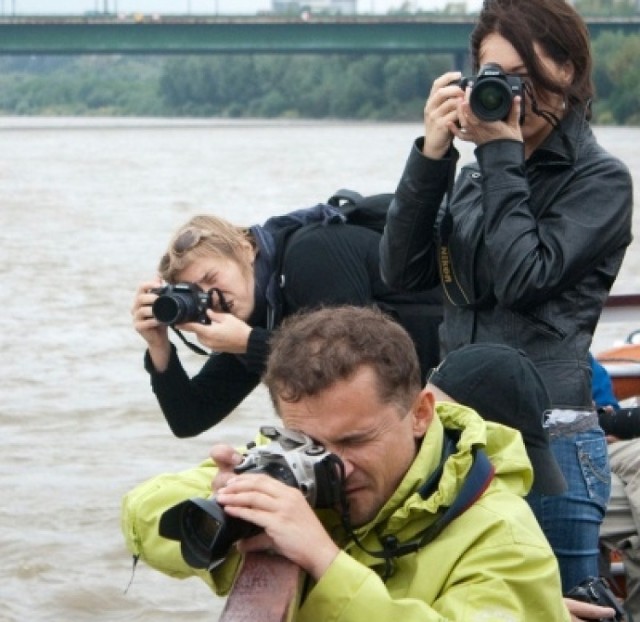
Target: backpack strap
344 196
369 212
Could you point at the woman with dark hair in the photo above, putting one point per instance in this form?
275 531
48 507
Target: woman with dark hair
528 240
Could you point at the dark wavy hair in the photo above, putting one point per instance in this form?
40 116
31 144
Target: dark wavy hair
313 350
557 28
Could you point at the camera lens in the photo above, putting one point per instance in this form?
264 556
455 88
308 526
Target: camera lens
201 526
207 533
491 100
174 308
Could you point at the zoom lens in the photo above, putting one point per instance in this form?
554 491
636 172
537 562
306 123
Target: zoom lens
491 99
175 308
207 533
201 525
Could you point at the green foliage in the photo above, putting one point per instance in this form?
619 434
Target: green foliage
334 86
617 79
79 86
377 87
606 8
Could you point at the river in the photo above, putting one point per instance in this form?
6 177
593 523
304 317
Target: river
86 207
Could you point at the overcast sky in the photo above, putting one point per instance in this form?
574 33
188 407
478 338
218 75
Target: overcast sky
237 7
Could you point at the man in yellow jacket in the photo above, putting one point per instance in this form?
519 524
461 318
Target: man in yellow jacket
348 378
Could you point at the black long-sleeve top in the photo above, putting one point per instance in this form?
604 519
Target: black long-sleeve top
322 265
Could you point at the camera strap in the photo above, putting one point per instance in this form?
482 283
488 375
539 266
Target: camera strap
450 285
192 346
476 482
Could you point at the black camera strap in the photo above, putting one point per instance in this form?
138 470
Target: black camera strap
224 305
476 482
450 285
192 346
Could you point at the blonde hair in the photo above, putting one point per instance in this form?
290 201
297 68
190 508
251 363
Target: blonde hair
203 236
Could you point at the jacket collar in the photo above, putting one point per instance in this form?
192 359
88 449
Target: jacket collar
564 142
503 445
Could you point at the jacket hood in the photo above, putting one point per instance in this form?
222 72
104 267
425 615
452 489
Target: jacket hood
504 448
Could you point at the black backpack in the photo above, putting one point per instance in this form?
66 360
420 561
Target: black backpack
370 211
419 312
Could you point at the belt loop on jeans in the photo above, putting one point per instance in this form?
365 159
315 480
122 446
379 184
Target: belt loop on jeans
562 422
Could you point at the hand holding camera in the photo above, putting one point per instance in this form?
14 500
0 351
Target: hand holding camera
595 590
492 93
182 303
492 108
188 306
488 114
206 531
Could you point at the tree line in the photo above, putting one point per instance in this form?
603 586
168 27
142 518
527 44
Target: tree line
368 87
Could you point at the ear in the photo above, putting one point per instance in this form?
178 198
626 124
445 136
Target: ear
249 251
567 72
422 412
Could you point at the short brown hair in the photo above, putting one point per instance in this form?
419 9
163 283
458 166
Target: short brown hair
315 349
559 30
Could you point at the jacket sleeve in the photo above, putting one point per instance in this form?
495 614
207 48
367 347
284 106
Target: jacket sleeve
193 405
142 509
408 254
588 220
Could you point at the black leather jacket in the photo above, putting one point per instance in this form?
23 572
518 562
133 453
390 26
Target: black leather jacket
533 247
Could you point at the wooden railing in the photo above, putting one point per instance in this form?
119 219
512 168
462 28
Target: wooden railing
621 308
266 590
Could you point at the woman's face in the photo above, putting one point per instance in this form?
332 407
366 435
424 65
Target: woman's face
496 49
236 285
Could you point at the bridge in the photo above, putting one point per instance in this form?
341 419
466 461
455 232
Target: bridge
141 34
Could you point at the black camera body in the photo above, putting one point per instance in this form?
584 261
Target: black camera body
182 302
595 590
206 532
492 93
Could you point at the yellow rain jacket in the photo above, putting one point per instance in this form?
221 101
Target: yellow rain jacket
490 564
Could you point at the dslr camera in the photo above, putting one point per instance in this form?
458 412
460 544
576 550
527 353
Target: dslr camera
492 92
182 302
206 533
596 590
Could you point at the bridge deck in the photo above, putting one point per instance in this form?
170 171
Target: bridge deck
215 35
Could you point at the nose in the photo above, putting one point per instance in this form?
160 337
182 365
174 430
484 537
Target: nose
348 465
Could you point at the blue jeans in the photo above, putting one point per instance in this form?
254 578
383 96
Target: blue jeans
571 521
